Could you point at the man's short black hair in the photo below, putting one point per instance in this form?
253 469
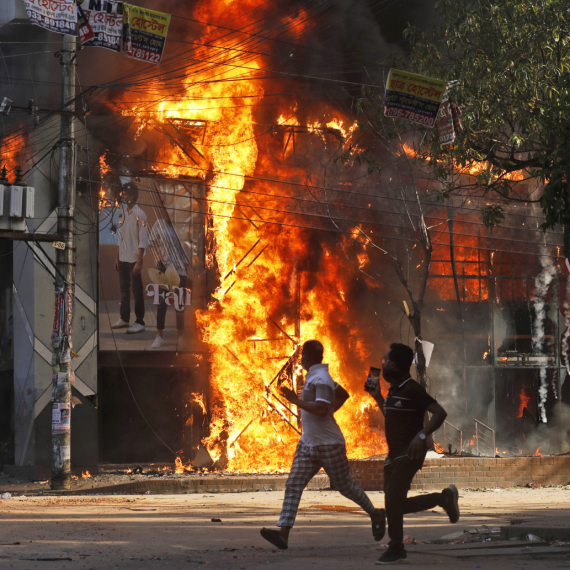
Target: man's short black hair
402 355
315 349
133 189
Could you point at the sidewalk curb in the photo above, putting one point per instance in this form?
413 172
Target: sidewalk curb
199 485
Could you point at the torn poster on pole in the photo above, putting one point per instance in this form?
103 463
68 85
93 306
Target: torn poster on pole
61 418
444 124
106 20
413 97
85 30
144 33
55 15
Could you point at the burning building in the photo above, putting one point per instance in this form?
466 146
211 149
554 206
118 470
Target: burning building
237 144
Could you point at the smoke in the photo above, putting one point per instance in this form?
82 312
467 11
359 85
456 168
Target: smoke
542 284
550 438
564 341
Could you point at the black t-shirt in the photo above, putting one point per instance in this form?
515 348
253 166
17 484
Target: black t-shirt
404 410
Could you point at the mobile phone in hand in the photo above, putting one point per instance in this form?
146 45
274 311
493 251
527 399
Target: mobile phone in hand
373 379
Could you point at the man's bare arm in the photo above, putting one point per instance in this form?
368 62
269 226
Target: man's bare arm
317 408
437 418
417 446
340 397
138 264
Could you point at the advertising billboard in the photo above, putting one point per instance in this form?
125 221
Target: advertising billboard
151 254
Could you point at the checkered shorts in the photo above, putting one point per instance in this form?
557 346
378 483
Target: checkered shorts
306 464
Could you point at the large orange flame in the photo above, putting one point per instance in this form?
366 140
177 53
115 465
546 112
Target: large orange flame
472 168
269 299
524 400
13 152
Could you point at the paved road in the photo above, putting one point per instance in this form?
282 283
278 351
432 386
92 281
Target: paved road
173 532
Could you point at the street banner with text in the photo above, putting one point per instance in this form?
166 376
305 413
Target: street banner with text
144 33
55 15
85 30
444 124
106 21
413 97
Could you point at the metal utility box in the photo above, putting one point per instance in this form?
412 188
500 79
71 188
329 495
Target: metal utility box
16 204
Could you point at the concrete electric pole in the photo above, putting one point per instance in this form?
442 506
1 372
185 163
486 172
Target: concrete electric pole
64 277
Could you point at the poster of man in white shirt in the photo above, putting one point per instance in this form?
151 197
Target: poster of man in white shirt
133 242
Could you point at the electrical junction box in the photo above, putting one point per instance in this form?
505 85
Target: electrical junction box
16 204
4 219
28 198
15 196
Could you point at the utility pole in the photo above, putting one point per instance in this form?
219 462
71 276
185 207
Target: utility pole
64 277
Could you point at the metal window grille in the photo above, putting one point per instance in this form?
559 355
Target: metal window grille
484 440
452 438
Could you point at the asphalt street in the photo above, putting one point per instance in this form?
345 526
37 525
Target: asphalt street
181 532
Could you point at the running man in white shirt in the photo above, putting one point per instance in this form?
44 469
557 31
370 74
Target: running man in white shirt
322 445
133 238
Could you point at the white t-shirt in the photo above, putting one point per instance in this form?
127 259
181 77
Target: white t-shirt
320 430
133 234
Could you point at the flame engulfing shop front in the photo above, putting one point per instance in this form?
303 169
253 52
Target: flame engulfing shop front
241 154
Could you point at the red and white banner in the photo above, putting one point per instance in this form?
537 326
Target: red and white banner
54 15
85 30
106 20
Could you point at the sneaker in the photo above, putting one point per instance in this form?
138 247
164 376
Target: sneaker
393 557
182 344
120 324
451 503
157 342
378 519
136 328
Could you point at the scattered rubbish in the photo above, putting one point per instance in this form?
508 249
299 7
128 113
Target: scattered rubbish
138 470
483 534
216 520
560 543
533 485
409 539
266 488
533 538
6 496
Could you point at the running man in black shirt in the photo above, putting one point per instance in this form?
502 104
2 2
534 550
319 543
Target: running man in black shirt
404 410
